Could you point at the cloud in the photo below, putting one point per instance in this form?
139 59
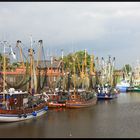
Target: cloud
104 26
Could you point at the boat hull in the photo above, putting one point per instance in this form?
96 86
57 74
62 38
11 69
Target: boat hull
106 97
16 118
122 89
133 90
55 105
81 104
21 115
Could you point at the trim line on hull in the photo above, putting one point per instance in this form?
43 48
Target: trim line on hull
14 118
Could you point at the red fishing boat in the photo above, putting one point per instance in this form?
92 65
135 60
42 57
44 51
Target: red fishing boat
81 100
18 105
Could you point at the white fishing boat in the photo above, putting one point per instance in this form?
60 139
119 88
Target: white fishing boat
123 85
17 105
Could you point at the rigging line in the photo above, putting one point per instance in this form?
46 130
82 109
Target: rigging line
16 86
21 81
45 66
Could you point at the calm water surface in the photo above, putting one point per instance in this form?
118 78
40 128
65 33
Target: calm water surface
117 118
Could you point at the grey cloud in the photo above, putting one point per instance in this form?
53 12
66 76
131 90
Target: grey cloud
105 27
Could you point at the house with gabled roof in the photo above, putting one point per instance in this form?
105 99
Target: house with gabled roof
52 70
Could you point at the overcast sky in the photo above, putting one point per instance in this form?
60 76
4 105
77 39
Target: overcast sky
103 28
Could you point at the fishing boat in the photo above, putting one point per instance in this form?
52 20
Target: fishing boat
106 96
123 85
133 89
124 82
106 80
18 105
57 99
135 79
81 99
82 95
107 93
55 104
56 91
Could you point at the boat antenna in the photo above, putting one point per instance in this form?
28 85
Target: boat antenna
85 61
62 54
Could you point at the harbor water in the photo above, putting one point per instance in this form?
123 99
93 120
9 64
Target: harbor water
117 118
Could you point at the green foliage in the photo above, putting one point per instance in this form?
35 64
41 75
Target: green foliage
1 58
127 68
1 61
75 59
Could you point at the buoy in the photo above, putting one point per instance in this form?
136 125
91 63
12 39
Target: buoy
34 113
15 100
46 108
70 134
72 97
19 115
25 115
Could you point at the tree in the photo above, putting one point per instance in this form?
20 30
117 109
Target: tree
78 57
127 69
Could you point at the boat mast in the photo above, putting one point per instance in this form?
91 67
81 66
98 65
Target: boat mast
4 66
74 77
91 64
33 83
109 70
40 47
113 74
103 71
85 62
63 87
62 56
4 71
20 49
51 78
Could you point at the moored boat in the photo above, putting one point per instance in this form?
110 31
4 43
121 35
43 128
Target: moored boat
106 80
55 104
106 96
107 92
85 99
18 105
133 89
56 99
123 86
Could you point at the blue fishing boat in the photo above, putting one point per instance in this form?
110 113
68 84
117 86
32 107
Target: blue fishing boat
107 92
105 88
106 96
